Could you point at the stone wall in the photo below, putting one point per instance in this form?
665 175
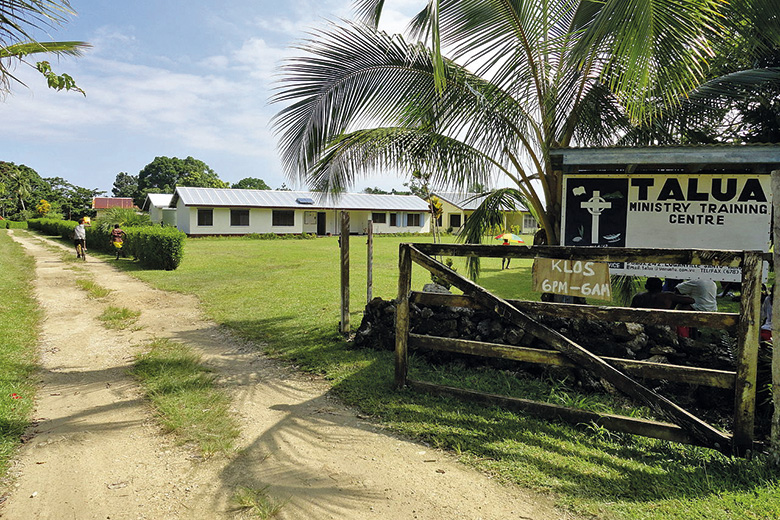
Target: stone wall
715 349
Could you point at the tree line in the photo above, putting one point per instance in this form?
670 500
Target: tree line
25 194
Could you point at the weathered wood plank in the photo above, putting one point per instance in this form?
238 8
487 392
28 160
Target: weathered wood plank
344 248
717 320
643 369
619 423
747 359
598 254
402 315
698 428
370 262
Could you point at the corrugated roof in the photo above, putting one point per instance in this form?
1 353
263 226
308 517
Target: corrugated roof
158 200
466 201
214 197
112 202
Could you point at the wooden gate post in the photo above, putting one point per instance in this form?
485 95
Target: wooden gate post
747 356
344 243
402 315
775 432
370 262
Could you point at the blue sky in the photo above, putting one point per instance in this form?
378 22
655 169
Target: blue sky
169 78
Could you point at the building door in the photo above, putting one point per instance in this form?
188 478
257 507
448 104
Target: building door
321 219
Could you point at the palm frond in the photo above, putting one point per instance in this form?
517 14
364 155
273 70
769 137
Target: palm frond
359 153
488 219
354 77
20 50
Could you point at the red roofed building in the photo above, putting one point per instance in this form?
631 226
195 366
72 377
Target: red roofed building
100 204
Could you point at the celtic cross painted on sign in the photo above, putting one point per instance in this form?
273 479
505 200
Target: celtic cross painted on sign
596 206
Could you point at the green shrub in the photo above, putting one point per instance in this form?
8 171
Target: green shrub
53 227
156 247
10 224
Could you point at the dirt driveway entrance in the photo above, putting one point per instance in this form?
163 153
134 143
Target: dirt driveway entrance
96 452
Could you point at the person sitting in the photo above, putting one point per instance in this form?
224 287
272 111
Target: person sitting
704 292
655 298
766 316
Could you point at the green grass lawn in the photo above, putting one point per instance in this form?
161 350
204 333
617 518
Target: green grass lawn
19 320
285 295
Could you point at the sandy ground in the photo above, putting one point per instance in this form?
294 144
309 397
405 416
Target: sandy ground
95 451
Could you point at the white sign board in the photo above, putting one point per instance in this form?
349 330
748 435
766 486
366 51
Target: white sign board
668 210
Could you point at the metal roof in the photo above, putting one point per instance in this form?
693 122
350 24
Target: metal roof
158 200
758 156
112 202
466 201
215 197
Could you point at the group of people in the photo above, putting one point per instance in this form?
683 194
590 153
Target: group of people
697 295
117 238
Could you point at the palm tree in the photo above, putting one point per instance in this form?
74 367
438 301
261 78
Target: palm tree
18 18
546 74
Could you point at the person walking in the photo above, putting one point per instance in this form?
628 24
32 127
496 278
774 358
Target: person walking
80 240
118 239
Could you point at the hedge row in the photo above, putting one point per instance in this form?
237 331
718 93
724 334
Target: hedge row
155 247
9 224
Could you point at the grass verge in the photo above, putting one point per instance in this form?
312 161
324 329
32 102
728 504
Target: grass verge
256 503
288 298
93 289
118 318
19 322
183 392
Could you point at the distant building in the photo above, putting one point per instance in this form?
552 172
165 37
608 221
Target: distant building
101 204
458 207
158 206
212 211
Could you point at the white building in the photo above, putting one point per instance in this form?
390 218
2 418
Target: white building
212 211
158 206
458 207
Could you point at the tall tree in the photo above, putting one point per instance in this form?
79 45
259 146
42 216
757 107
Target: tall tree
126 185
18 20
546 74
251 183
165 173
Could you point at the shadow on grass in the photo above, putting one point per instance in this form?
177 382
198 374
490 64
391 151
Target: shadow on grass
582 462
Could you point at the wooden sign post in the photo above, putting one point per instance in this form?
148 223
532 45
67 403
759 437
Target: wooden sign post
370 262
344 247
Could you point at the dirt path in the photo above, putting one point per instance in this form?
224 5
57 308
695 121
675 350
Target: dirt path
96 452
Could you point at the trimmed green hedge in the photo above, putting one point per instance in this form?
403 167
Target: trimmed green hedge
155 247
9 224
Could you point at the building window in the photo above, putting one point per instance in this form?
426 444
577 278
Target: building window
454 221
205 217
309 218
283 217
393 219
239 217
413 220
529 222
379 218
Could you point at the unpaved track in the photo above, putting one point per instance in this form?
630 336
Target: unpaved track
97 453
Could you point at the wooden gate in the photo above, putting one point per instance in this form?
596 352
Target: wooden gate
682 426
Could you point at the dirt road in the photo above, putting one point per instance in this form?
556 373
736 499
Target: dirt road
96 452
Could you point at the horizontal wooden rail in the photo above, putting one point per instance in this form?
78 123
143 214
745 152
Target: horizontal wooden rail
641 369
715 320
597 254
645 427
698 428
